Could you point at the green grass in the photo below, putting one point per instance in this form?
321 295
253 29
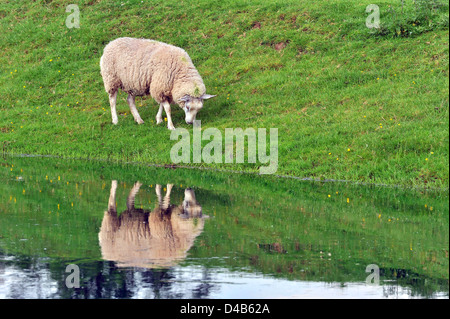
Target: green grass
349 103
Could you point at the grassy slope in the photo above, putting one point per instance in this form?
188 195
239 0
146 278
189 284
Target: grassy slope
347 105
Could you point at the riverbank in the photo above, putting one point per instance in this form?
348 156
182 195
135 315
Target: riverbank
348 104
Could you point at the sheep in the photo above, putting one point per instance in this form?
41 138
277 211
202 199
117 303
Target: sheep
158 238
147 67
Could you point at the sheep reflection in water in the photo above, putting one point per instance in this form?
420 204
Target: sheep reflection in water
151 239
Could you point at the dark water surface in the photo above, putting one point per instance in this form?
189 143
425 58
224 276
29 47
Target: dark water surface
143 232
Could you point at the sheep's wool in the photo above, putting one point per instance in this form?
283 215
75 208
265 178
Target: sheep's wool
142 67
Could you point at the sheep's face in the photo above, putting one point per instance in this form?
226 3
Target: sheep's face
191 207
191 109
191 106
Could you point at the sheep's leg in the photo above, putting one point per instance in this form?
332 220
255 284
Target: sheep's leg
159 115
132 195
166 200
112 197
112 103
163 202
166 106
133 109
158 193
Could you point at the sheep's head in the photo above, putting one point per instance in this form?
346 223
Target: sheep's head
191 105
191 208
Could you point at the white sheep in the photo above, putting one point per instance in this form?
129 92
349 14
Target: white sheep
158 238
142 67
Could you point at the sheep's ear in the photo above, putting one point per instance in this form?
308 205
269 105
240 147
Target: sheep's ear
185 98
207 96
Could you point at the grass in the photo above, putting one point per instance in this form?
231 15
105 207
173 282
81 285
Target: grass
349 102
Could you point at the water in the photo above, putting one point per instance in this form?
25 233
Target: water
135 231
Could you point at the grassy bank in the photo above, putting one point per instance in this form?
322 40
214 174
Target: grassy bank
349 102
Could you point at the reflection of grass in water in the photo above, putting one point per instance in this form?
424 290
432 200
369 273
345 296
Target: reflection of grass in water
293 229
307 235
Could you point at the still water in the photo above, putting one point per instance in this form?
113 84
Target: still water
134 231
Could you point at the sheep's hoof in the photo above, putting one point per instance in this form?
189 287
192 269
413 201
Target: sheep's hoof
140 122
115 122
159 121
171 127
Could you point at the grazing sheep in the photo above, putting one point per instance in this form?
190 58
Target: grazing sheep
142 67
152 239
